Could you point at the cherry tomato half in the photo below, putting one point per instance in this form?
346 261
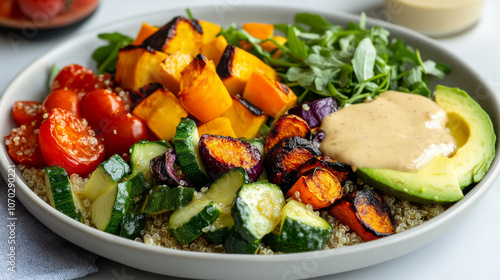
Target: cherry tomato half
121 132
76 78
63 99
22 145
100 105
67 142
25 112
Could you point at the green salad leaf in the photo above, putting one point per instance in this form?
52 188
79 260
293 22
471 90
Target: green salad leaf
107 56
350 64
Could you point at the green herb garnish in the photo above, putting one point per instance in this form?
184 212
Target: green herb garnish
107 56
321 60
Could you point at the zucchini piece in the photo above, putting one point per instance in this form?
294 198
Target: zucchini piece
164 198
257 143
137 184
186 142
301 230
59 192
235 244
109 208
188 222
142 152
222 192
257 209
106 176
132 224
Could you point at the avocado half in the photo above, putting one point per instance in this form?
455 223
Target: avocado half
443 179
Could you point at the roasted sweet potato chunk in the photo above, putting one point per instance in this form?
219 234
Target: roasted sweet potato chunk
135 66
366 213
236 65
245 118
210 30
165 170
285 157
168 72
317 187
286 126
218 126
340 170
214 49
202 92
178 34
222 153
145 31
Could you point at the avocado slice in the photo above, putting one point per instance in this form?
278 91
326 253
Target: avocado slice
436 182
472 128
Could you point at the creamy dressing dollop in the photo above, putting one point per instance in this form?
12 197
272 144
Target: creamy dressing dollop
399 131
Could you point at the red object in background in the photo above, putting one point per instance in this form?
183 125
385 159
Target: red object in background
42 8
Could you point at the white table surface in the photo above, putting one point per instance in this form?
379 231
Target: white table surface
470 251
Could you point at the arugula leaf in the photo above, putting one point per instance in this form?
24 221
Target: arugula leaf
107 56
364 60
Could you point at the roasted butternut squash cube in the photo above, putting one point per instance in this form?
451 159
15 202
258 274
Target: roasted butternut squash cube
135 66
270 95
202 92
214 49
210 30
168 72
259 30
245 118
162 112
218 126
145 31
178 34
237 65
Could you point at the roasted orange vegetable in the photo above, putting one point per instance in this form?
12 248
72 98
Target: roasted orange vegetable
259 30
145 31
286 126
340 170
214 49
218 126
366 213
317 187
168 72
245 118
284 158
222 153
162 112
135 66
271 96
236 65
202 92
178 34
210 30
272 47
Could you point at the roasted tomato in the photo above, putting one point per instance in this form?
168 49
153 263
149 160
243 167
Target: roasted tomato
76 78
67 141
25 112
22 145
121 132
63 99
99 105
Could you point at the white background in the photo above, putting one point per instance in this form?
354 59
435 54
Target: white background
469 251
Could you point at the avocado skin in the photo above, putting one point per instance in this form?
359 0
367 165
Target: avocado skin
473 159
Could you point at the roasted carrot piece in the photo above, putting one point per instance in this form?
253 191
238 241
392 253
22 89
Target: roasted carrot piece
179 34
145 31
168 72
286 156
366 213
317 187
245 118
135 66
210 30
222 153
340 170
162 112
236 65
214 49
270 95
202 92
286 126
218 126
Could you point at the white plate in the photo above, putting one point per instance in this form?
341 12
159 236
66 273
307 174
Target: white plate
31 84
